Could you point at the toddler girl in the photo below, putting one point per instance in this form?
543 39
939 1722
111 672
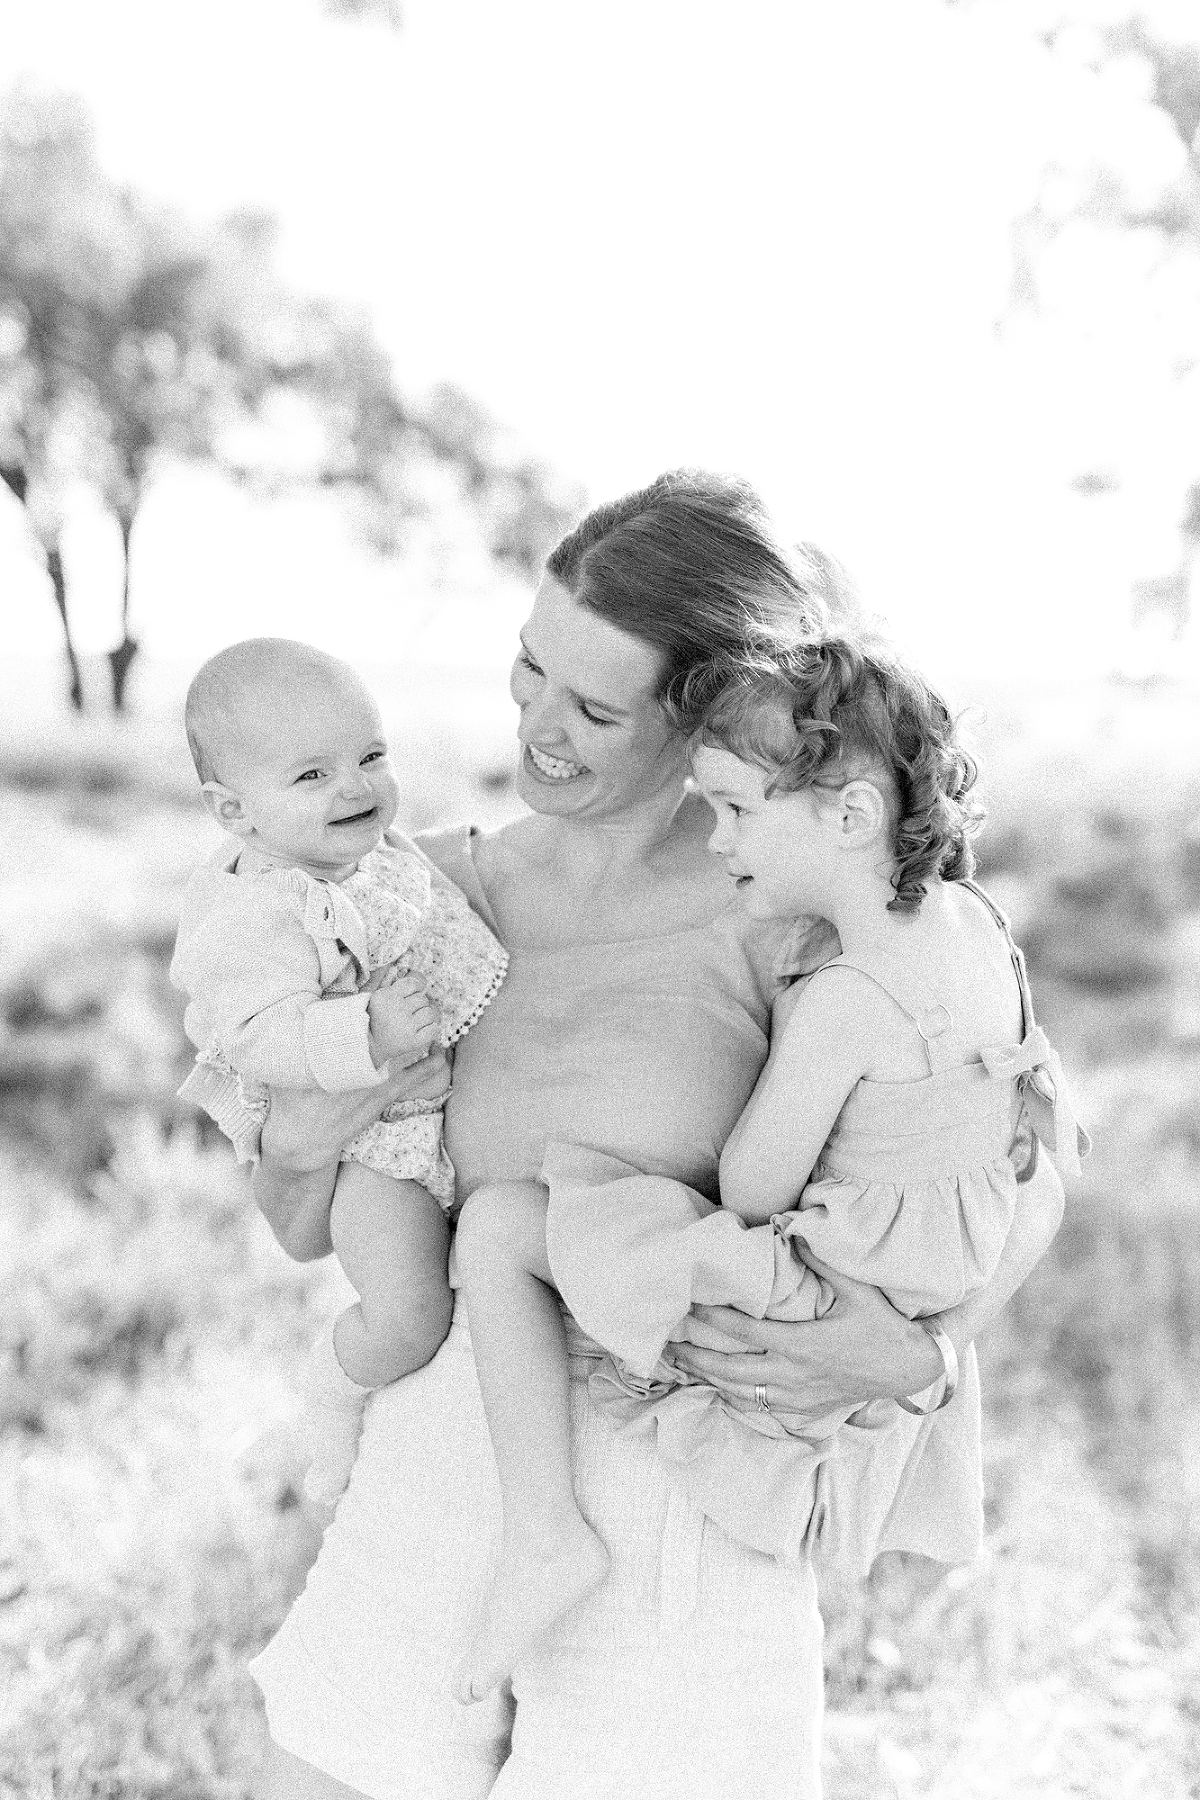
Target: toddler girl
882 1136
314 949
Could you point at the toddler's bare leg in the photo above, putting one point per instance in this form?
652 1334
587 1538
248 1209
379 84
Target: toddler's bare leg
392 1239
549 1557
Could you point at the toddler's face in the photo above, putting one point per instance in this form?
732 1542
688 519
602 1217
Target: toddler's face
312 773
774 848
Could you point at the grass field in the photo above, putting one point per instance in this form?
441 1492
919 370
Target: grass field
151 1531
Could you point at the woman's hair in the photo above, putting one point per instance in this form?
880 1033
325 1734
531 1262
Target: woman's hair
690 565
839 709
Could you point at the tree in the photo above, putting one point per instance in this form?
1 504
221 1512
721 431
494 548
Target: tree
131 339
46 178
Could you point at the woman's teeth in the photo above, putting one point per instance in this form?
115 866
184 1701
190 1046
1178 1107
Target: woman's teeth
556 767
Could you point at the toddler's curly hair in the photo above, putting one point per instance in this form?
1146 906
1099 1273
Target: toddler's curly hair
838 709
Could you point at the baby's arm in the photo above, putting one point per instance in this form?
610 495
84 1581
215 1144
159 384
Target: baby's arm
254 976
817 1056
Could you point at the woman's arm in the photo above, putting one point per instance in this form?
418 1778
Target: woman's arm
862 1349
302 1140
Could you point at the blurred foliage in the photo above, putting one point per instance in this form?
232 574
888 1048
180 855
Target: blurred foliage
1111 241
151 1533
388 12
132 338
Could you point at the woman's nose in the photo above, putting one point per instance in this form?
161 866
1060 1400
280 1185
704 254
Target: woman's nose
718 842
541 719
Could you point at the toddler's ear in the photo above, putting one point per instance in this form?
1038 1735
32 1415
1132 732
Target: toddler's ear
862 816
226 808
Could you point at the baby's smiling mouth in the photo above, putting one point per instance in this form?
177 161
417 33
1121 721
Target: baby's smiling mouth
356 818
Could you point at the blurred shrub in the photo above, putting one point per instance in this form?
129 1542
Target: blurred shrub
1097 862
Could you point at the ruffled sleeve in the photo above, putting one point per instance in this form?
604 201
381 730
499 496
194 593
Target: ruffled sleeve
632 1253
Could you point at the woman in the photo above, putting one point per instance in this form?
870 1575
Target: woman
634 1019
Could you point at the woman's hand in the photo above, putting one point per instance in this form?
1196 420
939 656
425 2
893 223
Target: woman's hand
305 1130
302 1140
862 1349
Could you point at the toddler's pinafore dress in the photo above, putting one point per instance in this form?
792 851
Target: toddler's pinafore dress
914 1192
388 918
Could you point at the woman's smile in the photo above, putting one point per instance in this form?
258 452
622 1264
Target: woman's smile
552 768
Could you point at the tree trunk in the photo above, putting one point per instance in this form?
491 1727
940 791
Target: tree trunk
58 582
120 660
15 477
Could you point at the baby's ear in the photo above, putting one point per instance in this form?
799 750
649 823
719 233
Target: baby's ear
226 808
863 817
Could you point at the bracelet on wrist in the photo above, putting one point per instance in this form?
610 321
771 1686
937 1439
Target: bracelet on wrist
949 1356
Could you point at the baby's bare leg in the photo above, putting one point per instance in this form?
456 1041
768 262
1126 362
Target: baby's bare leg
392 1240
550 1557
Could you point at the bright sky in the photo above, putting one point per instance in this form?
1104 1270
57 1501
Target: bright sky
771 237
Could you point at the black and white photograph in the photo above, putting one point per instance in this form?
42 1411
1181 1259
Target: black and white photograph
600 896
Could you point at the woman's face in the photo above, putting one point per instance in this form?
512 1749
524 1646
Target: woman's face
594 739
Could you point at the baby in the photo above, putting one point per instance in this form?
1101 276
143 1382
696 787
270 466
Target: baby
314 949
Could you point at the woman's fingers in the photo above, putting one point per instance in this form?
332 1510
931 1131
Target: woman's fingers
706 1333
738 1378
723 1368
426 1079
785 1336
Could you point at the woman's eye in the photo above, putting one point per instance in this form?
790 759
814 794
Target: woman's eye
526 661
595 718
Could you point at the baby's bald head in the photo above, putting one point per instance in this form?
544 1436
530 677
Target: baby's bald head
242 693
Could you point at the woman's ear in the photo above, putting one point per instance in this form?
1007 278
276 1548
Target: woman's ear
862 816
226 808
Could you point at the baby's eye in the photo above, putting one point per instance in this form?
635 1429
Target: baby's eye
309 775
374 756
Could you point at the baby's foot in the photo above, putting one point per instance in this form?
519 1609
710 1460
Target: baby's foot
535 1584
333 1410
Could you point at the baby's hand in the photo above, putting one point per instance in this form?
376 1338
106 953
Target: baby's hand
404 1022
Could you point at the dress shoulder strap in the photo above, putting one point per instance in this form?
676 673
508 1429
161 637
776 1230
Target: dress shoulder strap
901 983
1014 951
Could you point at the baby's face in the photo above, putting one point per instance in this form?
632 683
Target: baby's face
312 772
